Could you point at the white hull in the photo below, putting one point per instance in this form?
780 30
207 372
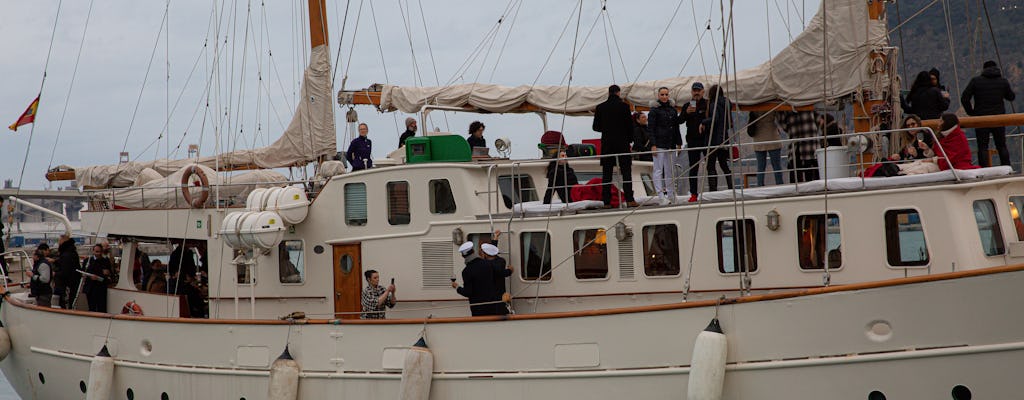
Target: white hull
959 330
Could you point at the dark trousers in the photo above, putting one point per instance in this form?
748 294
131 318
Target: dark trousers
61 290
625 163
97 297
694 156
999 134
805 170
721 157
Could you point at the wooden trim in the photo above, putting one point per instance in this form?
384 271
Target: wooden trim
568 314
983 121
324 298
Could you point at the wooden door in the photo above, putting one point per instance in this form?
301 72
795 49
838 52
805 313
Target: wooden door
348 280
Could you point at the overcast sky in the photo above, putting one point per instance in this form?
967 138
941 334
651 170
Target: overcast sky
113 104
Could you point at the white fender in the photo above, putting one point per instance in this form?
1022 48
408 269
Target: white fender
707 368
284 377
417 372
101 376
5 343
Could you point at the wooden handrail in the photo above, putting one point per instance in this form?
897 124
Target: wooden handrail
982 121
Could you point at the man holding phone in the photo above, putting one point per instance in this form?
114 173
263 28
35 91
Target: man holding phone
376 298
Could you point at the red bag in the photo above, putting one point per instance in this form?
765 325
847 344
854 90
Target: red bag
735 152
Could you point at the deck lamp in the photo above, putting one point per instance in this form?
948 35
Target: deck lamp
457 236
773 220
623 232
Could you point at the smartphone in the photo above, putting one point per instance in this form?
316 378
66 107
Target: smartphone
392 281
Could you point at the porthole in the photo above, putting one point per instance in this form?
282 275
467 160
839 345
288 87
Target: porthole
876 395
42 379
81 386
318 249
164 396
146 348
345 264
130 394
961 392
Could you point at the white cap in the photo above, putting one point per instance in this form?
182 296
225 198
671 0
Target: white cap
466 249
490 249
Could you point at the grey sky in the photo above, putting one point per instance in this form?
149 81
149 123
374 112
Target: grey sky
121 36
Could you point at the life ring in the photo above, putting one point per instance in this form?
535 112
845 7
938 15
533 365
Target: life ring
186 182
131 308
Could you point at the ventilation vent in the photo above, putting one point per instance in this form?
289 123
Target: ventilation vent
438 265
626 272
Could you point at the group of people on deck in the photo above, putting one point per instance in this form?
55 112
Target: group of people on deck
60 272
360 151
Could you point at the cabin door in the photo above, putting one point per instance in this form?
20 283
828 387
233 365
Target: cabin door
348 280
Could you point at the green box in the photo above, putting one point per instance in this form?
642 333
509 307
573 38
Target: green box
444 148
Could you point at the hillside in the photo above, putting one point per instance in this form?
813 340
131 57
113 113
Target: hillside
926 44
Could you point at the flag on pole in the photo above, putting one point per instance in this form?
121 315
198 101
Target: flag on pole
28 117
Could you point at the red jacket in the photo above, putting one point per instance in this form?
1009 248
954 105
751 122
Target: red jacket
957 150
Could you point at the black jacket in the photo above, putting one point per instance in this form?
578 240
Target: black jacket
641 142
926 103
718 121
561 178
97 266
663 126
478 285
405 135
500 273
988 90
359 153
613 120
476 142
67 263
693 120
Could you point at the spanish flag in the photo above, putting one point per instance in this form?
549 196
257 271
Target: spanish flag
28 117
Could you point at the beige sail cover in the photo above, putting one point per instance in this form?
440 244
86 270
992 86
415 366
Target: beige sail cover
310 135
795 75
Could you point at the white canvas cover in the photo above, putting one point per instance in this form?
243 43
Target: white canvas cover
165 192
310 134
795 75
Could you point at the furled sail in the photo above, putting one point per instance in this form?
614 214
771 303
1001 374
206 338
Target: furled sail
310 135
794 76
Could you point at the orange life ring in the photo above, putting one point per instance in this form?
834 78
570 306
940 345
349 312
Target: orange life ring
131 308
186 182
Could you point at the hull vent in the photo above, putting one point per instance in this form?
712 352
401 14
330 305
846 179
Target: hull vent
438 264
626 270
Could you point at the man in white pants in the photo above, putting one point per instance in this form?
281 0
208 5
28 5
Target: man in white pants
663 129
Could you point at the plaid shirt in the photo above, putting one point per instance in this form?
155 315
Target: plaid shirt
798 125
369 301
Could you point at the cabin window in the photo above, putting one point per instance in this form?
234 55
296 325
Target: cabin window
988 227
1016 205
590 247
441 199
536 256
904 239
516 189
398 203
648 184
737 247
355 204
661 250
246 270
819 241
586 176
291 263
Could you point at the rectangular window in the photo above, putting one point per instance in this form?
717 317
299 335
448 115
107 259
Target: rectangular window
1016 205
904 239
290 262
586 176
398 203
590 255
988 227
441 199
246 272
737 247
355 204
661 250
517 189
819 240
536 256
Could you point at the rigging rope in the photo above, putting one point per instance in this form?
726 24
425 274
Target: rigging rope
39 96
952 50
67 98
383 62
618 49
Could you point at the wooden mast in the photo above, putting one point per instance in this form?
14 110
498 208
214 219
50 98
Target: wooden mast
317 37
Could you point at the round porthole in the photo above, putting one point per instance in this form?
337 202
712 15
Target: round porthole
130 394
961 392
876 395
146 348
81 386
42 379
345 264
318 249
164 396
879 331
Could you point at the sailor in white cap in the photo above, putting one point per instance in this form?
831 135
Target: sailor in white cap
500 270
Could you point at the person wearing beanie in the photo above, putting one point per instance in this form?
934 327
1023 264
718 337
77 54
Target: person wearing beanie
984 95
952 149
410 131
